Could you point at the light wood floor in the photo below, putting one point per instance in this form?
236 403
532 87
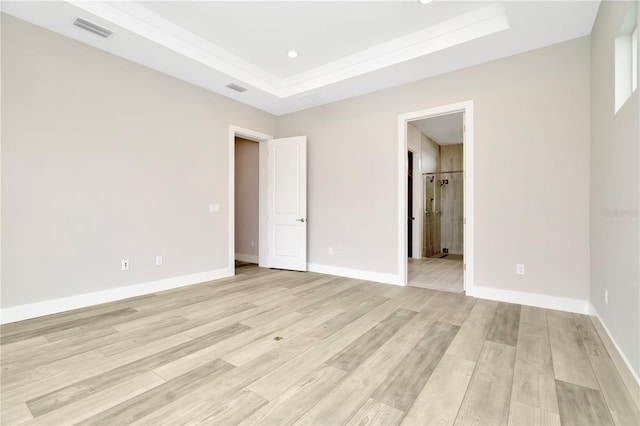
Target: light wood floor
437 274
349 352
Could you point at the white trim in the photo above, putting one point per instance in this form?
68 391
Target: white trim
150 26
358 274
620 361
403 119
566 304
47 307
247 258
262 225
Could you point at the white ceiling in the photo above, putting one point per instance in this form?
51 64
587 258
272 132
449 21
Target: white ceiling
444 129
346 48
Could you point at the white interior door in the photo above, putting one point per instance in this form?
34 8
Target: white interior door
287 203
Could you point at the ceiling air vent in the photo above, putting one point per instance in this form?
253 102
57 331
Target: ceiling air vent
92 28
237 88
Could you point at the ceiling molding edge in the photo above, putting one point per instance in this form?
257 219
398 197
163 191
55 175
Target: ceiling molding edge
147 24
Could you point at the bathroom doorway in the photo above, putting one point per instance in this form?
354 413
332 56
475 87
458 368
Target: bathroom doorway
440 205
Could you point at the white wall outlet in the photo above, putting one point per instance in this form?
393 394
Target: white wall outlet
606 296
214 208
125 265
253 243
158 260
330 250
520 269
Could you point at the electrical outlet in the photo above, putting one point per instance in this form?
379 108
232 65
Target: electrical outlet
606 296
253 243
158 260
520 269
330 250
125 265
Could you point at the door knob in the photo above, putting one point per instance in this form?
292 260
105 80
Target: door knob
300 220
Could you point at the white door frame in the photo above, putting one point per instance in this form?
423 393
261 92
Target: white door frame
403 120
262 186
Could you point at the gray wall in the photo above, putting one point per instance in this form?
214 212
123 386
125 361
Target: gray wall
104 160
531 170
615 191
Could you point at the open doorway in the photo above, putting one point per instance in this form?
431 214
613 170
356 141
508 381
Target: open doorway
441 260
246 203
282 221
243 209
441 233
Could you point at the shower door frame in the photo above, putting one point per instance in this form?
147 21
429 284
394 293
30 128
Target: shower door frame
403 120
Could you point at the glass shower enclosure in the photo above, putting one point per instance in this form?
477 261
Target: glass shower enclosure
443 214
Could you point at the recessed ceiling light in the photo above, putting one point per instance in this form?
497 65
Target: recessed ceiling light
292 54
425 1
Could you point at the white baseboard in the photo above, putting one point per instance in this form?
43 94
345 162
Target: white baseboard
246 258
620 361
54 306
578 306
355 273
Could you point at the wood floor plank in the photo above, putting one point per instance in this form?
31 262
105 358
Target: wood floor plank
211 312
15 415
504 326
86 331
39 323
341 299
580 405
570 361
195 359
364 346
238 317
458 309
20 345
194 406
470 338
631 383
422 299
101 400
290 405
10 381
234 409
148 402
340 321
84 388
533 315
375 413
96 319
590 339
55 351
403 385
493 376
149 333
264 344
275 382
533 376
439 401
33 389
350 395
269 312
112 306
621 405
526 415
